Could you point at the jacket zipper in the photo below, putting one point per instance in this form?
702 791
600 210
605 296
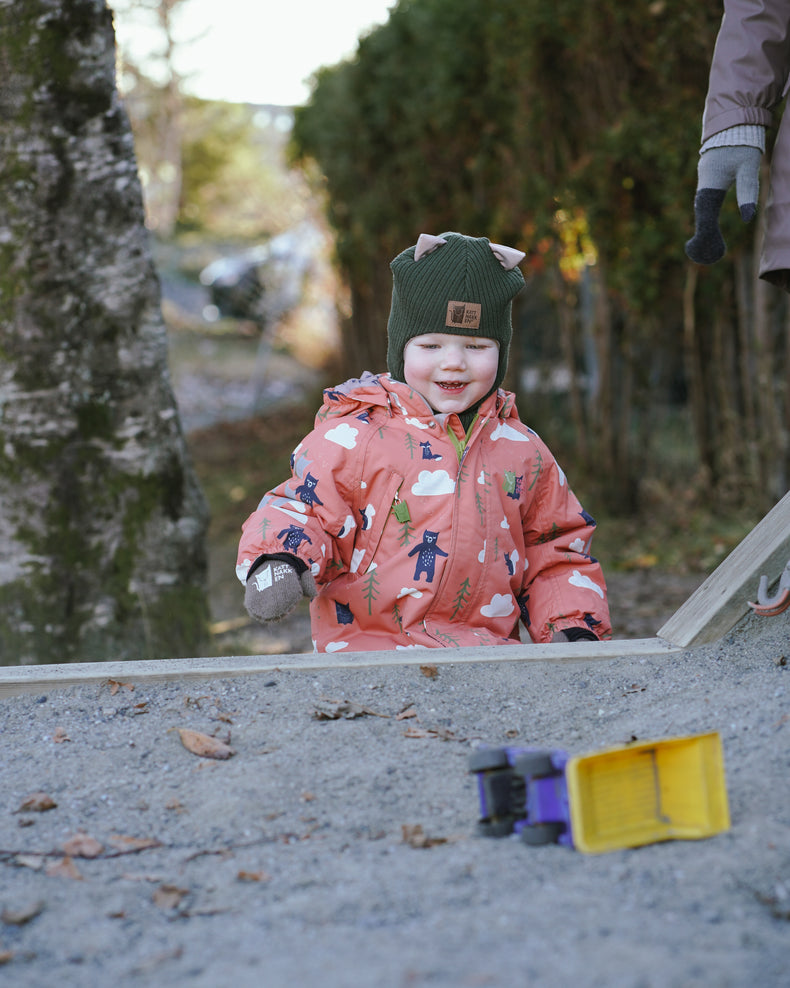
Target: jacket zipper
454 527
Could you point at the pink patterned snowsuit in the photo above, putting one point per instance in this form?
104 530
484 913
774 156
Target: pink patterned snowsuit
416 541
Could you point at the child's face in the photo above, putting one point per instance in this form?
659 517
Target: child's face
451 372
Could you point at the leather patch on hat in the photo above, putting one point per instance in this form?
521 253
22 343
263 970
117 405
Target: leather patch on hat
463 315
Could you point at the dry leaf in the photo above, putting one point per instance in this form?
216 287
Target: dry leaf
33 861
6 956
195 701
335 709
431 672
60 735
82 846
65 868
128 845
176 805
253 876
407 712
37 802
307 797
443 733
415 836
203 745
169 896
18 917
115 686
418 732
140 708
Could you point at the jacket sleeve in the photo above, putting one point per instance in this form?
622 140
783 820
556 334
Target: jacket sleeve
311 515
564 586
750 65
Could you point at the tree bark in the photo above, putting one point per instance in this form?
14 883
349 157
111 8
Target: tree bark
102 522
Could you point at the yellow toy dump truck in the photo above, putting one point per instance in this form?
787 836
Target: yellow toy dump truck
620 797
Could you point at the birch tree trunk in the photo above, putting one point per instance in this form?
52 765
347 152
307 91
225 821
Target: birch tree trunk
102 522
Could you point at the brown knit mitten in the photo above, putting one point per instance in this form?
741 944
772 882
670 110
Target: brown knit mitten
274 590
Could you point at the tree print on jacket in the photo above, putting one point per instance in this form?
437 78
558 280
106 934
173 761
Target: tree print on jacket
406 534
461 598
371 588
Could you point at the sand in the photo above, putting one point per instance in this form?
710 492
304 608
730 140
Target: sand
337 844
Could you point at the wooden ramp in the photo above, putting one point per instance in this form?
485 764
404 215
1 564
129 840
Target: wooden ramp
723 599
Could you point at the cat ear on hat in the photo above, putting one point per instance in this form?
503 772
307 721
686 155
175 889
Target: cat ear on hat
427 244
508 257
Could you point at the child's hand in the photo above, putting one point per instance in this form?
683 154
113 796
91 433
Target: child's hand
274 590
574 635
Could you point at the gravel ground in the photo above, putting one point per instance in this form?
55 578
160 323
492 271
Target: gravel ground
341 850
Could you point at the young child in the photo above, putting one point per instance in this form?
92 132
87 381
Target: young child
421 512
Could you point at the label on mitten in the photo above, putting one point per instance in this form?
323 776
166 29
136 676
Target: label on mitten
263 579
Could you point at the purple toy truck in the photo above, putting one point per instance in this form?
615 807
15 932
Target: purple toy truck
523 791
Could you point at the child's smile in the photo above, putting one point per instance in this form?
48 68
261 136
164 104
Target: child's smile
451 372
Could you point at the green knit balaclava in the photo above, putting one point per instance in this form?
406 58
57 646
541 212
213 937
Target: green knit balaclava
453 284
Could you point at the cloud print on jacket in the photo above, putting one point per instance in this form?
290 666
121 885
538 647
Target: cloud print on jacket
430 483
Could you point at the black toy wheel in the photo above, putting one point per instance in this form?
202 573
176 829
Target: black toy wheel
485 759
542 833
494 828
534 764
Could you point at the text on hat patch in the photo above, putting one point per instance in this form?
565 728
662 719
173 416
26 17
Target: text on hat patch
464 314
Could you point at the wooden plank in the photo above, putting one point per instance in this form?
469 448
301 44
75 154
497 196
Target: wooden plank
723 599
38 679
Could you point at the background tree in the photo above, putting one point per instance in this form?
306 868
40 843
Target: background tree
570 130
165 114
101 519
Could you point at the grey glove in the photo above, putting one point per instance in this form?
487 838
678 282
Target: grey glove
718 169
275 588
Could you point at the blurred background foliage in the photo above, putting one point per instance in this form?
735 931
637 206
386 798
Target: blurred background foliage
569 130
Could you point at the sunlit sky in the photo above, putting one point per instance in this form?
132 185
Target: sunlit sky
256 51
